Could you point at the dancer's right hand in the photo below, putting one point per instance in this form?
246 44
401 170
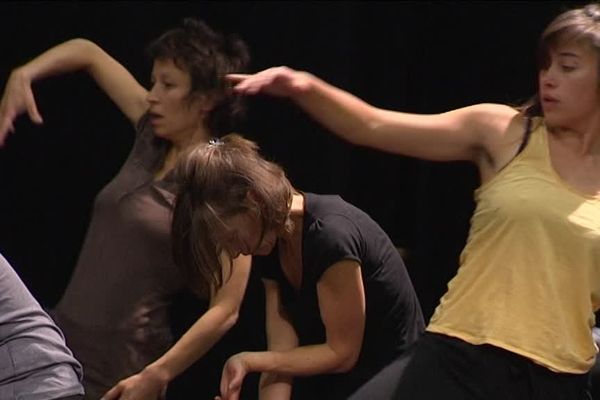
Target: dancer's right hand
276 81
17 99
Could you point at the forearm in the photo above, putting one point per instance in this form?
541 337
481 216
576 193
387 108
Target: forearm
194 343
339 111
72 55
300 361
274 386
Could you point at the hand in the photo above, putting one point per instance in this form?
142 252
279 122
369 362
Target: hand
147 385
234 371
277 81
17 98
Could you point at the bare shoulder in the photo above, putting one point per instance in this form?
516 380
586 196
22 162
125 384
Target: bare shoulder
502 128
482 121
492 116
495 123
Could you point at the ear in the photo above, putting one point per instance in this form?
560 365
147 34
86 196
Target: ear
204 102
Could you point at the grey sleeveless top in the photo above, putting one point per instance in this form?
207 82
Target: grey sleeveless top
114 312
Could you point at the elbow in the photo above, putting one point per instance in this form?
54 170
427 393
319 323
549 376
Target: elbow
370 126
84 45
87 51
346 361
230 319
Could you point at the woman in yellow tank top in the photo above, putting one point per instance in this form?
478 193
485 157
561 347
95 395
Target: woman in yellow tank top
516 320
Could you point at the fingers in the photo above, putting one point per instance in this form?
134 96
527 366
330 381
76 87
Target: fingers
112 394
34 114
235 78
224 385
32 109
6 127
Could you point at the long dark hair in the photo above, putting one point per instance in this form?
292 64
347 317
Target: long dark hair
214 182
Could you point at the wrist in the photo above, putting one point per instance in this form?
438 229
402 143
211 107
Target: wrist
247 359
158 373
22 74
305 83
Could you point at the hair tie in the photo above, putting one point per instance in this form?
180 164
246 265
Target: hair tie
593 12
215 142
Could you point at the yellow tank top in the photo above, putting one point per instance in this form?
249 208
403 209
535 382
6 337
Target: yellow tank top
529 276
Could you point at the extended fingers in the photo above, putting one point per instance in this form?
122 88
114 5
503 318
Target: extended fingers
6 127
32 109
112 394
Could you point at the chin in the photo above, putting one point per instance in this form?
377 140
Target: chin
265 250
552 120
161 135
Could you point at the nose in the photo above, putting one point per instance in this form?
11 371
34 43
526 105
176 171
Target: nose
151 97
547 77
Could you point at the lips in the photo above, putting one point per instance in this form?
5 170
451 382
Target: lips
154 117
549 99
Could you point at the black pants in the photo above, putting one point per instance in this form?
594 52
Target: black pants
442 367
76 397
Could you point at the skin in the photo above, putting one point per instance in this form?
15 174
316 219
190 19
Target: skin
173 115
571 103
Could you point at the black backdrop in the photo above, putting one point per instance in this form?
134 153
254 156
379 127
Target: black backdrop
422 57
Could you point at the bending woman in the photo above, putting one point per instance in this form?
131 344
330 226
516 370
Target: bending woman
340 305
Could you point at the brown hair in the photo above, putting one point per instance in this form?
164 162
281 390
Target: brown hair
581 25
207 56
214 180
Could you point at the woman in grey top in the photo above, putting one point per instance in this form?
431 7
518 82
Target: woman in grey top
35 363
114 311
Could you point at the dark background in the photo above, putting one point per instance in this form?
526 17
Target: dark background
424 57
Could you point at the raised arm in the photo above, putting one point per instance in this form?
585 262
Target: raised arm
151 382
342 305
73 55
474 133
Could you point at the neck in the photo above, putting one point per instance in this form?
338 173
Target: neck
178 147
296 215
200 135
297 207
583 138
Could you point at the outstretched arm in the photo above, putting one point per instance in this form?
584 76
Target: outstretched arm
342 305
73 55
152 381
474 133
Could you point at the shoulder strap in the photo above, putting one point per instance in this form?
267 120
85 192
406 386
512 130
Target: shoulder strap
525 136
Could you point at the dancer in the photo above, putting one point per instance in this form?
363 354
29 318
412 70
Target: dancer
340 305
114 312
517 318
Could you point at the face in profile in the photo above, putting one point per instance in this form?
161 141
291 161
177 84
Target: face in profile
173 115
568 84
244 234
